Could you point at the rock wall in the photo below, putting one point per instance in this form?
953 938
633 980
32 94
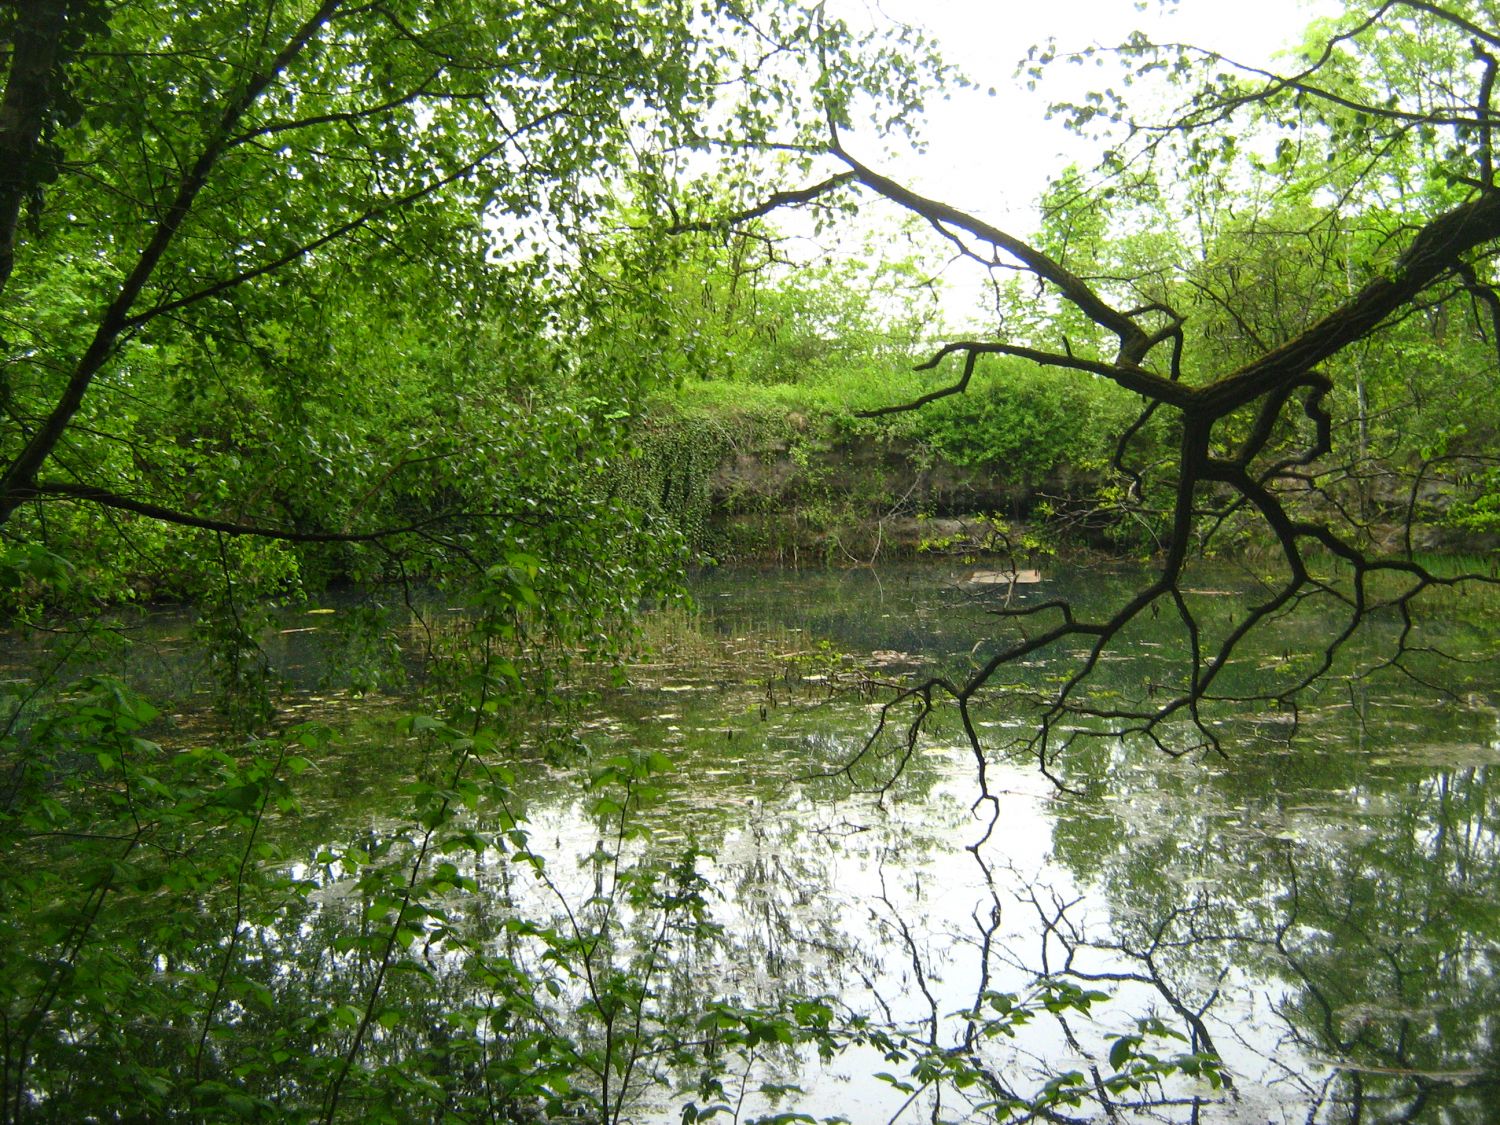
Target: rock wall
794 496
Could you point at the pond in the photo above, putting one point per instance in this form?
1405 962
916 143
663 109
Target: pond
1323 914
743 916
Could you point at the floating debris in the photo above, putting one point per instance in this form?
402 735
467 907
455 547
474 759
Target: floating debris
1004 578
885 657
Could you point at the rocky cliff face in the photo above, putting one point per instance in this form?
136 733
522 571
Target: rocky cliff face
857 496
877 476
780 488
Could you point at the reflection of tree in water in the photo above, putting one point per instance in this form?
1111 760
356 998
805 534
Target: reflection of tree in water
1369 895
939 988
1362 891
787 923
1390 939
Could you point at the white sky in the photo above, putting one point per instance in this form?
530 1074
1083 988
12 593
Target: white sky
993 156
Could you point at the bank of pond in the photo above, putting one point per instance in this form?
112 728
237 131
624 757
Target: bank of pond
729 882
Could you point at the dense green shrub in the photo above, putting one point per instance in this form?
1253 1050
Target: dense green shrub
1027 422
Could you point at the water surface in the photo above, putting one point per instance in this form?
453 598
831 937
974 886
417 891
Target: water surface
1318 906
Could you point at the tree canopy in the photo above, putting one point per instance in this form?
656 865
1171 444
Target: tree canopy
236 244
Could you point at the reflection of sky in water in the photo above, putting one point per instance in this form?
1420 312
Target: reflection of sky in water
875 901
1329 910
1253 894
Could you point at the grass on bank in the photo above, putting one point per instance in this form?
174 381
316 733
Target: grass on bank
1014 415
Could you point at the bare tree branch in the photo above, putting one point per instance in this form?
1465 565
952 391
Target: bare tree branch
773 202
63 490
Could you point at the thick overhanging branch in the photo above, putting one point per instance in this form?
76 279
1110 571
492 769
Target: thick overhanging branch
1468 27
1270 412
971 359
1323 561
773 202
1438 248
1135 342
1131 378
1442 249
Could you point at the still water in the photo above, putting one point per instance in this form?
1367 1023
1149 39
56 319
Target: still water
1321 912
1318 906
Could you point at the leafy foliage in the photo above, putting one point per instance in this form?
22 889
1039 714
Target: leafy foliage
307 292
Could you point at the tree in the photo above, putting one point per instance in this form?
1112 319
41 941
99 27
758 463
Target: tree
236 245
1254 382
199 208
195 185
295 290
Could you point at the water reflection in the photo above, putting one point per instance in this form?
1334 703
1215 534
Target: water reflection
1321 913
1336 916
